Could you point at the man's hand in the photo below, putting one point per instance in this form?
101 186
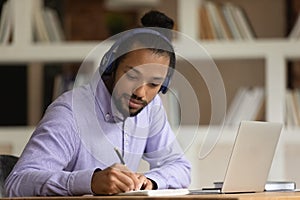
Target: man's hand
115 179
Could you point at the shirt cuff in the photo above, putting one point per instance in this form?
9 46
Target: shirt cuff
154 184
80 182
160 184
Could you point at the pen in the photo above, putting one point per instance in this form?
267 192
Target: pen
119 155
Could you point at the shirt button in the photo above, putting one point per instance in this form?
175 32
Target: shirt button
107 116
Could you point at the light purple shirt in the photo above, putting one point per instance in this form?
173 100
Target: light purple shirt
77 135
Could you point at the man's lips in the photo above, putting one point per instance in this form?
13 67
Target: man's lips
135 104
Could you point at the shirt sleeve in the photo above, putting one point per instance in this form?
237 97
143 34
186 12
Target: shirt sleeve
168 166
41 169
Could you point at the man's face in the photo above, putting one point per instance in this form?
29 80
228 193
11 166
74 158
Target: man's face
138 79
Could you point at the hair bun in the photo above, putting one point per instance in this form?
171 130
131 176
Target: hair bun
155 18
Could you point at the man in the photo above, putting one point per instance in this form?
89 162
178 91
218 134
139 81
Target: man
73 149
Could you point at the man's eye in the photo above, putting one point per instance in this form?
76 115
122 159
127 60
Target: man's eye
131 76
154 84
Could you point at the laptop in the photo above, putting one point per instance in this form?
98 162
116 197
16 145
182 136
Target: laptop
250 160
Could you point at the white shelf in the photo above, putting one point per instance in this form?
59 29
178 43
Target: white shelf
274 52
256 49
77 51
60 52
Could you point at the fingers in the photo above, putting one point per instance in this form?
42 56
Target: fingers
115 179
128 180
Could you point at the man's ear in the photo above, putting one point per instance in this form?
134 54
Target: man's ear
109 81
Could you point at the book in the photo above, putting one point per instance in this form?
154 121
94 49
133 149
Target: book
291 118
235 106
280 186
296 106
239 108
40 28
295 32
224 25
6 23
231 21
225 21
205 31
242 22
53 25
215 20
161 192
212 32
271 185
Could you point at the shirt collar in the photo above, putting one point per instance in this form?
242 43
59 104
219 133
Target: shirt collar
107 107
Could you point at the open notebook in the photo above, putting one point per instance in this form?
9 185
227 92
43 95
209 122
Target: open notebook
164 192
251 158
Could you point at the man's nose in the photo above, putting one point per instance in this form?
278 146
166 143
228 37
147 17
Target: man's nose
140 91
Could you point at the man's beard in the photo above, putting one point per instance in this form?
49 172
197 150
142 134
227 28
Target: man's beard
125 109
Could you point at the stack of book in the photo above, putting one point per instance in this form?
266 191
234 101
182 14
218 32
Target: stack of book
47 25
271 186
6 22
295 32
247 104
292 99
224 21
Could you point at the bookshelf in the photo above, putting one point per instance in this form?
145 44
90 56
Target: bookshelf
275 52
24 50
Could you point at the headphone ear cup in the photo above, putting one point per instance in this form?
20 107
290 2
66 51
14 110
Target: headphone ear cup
164 86
103 63
106 66
163 89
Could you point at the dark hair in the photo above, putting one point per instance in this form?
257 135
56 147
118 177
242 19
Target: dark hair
155 18
163 24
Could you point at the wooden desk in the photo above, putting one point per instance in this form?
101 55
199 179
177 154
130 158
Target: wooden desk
262 196
246 196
